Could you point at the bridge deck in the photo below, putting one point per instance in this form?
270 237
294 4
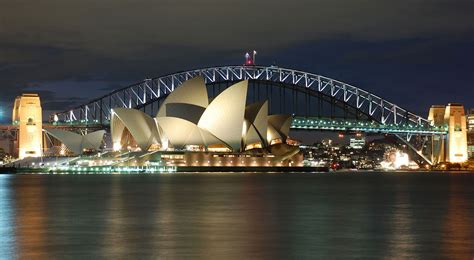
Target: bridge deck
362 126
316 123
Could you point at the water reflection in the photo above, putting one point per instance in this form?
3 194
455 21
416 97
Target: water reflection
7 222
402 242
264 216
31 216
114 223
458 231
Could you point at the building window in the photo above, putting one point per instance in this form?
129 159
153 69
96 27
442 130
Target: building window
30 121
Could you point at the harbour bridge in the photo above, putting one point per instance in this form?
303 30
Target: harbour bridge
316 103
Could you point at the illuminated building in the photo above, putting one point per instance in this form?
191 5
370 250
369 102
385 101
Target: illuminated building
27 116
188 121
470 120
454 148
470 133
455 119
357 143
188 130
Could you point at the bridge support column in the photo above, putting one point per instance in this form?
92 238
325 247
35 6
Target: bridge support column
437 148
27 115
419 152
453 146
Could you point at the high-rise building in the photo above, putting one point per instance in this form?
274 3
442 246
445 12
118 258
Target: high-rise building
27 116
470 120
470 133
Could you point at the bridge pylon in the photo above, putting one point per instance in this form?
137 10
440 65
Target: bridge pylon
453 146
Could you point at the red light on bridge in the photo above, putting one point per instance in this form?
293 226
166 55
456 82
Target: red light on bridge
250 60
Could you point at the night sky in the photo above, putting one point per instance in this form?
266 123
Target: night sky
414 53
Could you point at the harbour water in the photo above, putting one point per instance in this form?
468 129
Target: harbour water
238 216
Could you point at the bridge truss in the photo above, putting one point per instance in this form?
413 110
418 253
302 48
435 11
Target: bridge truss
151 90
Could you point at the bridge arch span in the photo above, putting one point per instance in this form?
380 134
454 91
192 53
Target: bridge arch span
151 90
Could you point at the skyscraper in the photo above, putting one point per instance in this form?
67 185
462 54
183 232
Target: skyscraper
470 133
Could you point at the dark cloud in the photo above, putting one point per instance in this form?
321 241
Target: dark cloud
130 27
87 48
61 104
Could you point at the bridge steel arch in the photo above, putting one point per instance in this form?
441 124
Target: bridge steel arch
98 110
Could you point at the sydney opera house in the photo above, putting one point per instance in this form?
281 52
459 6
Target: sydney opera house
192 130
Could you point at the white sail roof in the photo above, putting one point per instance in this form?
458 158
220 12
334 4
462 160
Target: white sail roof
281 123
181 132
272 134
188 112
140 125
257 116
192 91
76 143
93 140
278 127
224 116
252 136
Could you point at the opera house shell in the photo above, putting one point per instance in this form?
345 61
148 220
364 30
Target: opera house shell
188 120
78 143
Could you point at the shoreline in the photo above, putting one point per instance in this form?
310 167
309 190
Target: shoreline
162 169
206 169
